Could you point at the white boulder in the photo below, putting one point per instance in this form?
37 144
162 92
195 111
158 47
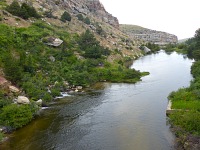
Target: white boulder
23 100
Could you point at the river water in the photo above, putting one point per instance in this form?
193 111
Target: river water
111 116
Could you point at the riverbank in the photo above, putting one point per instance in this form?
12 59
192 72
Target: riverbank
184 140
184 114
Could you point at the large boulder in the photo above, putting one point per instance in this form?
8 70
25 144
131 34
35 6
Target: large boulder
52 41
23 100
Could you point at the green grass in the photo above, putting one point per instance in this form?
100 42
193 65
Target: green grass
188 120
186 105
187 116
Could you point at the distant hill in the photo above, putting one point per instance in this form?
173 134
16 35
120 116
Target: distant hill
148 35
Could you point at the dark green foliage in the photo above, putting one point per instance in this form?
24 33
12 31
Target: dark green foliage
195 69
12 68
24 11
16 116
65 17
4 102
91 46
87 21
80 17
14 8
153 47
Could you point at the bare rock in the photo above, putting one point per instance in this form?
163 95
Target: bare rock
14 89
23 100
39 102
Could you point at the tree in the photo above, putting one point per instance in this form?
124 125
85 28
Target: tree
25 11
65 17
87 39
14 8
28 11
197 38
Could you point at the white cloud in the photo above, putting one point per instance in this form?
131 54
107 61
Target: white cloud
179 17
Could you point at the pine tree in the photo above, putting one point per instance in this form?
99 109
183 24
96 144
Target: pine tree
14 8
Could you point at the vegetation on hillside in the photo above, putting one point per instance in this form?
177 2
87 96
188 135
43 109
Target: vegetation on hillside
187 100
43 71
24 11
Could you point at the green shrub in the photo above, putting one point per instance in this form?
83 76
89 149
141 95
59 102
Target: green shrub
80 17
24 11
87 21
14 8
16 116
65 17
55 92
4 102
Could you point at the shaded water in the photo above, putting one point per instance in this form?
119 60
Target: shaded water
111 116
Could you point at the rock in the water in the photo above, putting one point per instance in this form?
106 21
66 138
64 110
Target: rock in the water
23 100
13 89
79 87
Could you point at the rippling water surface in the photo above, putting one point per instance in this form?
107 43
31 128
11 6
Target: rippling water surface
111 116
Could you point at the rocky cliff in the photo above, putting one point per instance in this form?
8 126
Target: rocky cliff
86 7
148 35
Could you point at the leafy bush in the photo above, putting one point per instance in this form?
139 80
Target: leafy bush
12 69
86 21
65 17
80 17
16 116
4 102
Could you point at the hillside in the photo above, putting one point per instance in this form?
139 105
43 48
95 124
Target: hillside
104 26
148 35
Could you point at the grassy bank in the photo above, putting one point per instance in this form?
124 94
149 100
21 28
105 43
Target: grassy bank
186 101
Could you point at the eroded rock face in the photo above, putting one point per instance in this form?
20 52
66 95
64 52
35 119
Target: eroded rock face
85 7
98 9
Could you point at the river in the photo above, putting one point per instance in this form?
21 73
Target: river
111 116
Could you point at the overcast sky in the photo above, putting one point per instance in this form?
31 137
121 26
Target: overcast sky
179 17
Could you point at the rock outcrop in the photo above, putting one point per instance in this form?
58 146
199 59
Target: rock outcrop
85 7
148 35
23 100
